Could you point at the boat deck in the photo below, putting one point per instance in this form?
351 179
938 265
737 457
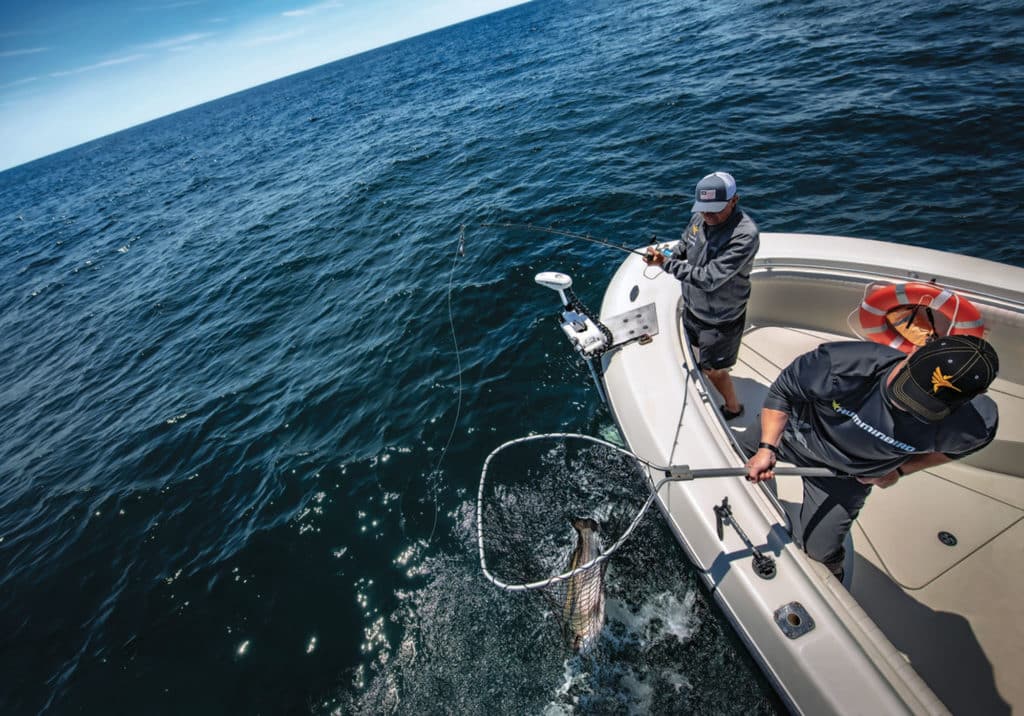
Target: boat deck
955 612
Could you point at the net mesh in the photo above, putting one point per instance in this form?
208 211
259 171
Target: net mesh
550 513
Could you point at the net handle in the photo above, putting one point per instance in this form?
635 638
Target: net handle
675 473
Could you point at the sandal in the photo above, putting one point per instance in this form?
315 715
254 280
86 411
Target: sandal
728 414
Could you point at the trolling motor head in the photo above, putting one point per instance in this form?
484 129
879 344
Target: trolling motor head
556 281
579 326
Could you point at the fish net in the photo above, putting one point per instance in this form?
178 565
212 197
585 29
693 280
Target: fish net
549 520
551 511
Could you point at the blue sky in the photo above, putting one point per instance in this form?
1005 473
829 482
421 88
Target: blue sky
75 70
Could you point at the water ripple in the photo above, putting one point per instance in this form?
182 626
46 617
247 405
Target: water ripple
228 371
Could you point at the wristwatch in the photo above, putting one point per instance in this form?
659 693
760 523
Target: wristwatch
769 446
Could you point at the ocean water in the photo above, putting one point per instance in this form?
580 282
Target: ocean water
248 382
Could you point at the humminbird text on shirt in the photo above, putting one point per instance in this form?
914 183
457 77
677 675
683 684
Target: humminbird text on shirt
872 431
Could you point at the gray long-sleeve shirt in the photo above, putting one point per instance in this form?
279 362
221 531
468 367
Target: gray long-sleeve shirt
716 271
840 417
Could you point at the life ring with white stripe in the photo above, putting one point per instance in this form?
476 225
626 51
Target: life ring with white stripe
878 307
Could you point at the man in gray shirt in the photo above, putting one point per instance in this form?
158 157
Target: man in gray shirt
713 262
872 415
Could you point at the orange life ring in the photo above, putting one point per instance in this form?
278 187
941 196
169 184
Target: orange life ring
964 317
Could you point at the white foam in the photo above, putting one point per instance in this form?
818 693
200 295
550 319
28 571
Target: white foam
661 616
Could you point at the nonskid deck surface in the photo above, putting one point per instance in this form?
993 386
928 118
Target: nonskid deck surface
955 611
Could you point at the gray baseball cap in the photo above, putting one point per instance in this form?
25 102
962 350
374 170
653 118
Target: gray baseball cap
713 192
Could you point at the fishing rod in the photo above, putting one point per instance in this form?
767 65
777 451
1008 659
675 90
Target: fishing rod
569 234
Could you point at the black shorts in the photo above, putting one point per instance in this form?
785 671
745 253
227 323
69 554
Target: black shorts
719 344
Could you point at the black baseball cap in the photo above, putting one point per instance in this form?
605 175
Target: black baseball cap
944 374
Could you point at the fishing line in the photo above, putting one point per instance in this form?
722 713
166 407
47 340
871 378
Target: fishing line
435 473
583 237
568 234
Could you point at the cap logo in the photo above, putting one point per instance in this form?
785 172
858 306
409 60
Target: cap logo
942 381
708 194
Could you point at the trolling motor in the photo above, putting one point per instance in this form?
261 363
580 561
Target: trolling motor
585 332
591 337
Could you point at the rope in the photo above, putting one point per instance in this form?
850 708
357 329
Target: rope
871 286
956 310
849 318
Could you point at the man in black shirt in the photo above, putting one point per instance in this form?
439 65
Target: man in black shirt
874 415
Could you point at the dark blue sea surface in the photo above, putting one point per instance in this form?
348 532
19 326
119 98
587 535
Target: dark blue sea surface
239 450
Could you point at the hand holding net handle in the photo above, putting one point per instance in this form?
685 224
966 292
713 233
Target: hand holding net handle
681 473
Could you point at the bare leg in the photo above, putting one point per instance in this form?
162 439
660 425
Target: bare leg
723 384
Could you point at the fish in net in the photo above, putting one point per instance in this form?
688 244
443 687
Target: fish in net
544 520
583 610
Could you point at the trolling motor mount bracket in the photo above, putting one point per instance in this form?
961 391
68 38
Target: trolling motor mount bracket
763 564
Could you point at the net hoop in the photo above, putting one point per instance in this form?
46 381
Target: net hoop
604 556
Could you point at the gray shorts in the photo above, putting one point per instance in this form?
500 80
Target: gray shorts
719 344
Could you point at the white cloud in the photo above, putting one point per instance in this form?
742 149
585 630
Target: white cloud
16 83
29 51
174 42
176 5
98 65
270 39
311 9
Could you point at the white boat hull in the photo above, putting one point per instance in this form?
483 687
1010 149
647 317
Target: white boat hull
668 415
